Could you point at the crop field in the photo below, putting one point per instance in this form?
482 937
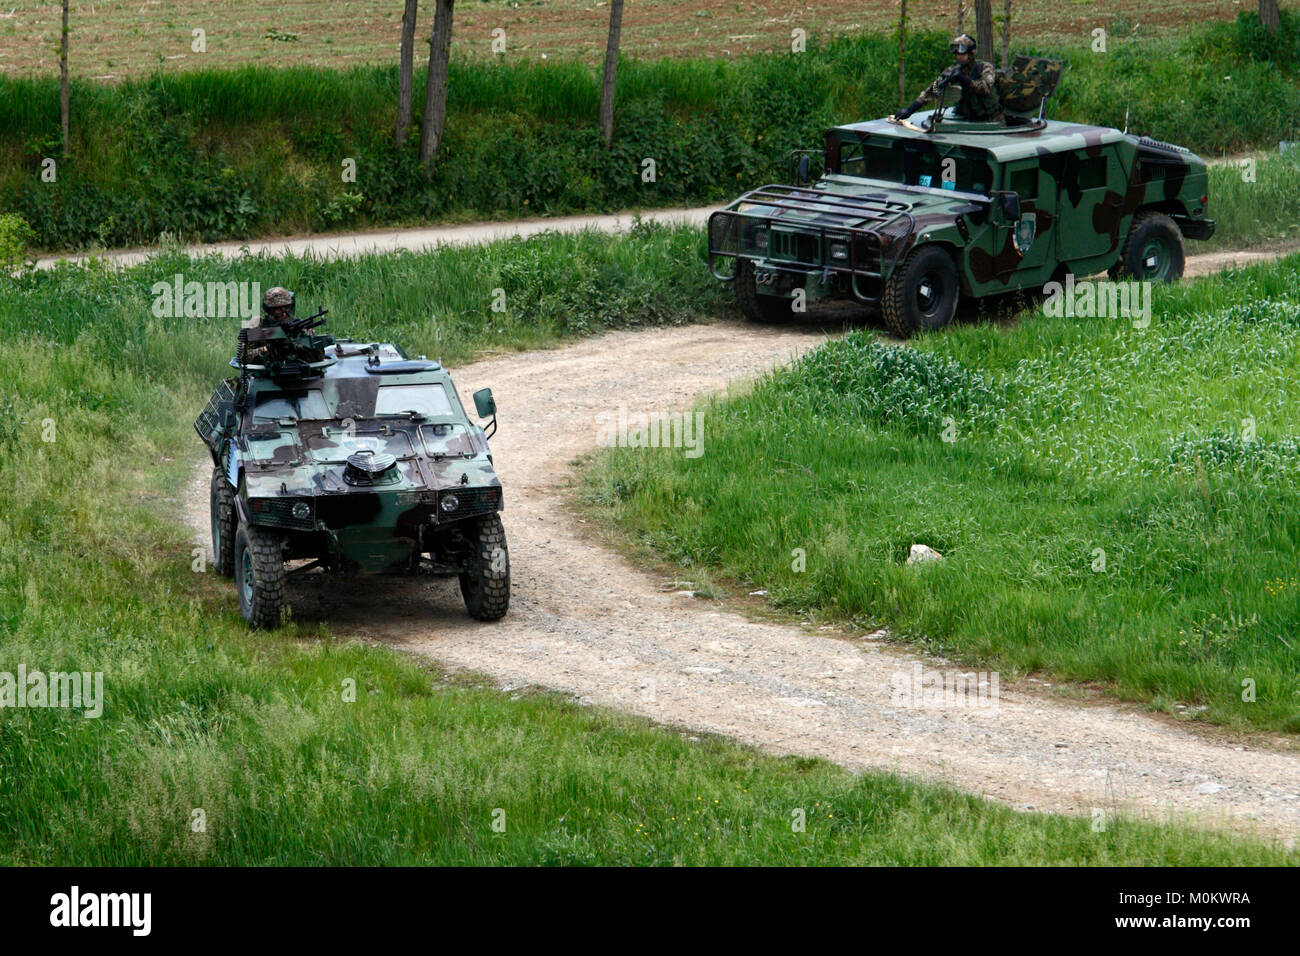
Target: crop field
115 39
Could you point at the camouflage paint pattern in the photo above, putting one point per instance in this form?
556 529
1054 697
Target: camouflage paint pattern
1090 182
377 524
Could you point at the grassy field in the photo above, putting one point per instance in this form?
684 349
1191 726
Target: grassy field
252 729
261 150
1118 506
112 39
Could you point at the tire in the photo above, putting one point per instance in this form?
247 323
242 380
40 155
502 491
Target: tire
221 505
753 304
1152 251
259 576
486 587
921 293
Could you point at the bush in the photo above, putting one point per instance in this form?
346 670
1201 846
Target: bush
15 237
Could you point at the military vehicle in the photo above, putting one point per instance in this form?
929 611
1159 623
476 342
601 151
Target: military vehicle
354 458
905 218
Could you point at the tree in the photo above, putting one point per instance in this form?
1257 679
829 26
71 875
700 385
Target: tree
611 67
984 30
1268 15
902 39
406 70
435 94
63 83
1006 33
961 13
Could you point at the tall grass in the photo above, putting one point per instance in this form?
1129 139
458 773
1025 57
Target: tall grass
220 154
1117 506
252 729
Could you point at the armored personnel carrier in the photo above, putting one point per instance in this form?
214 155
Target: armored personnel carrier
907 218
354 458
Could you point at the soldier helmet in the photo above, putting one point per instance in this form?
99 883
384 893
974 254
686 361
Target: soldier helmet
277 297
964 43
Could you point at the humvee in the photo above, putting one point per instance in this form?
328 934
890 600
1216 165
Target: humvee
352 457
905 218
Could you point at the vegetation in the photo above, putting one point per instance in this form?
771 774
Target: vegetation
1117 505
216 154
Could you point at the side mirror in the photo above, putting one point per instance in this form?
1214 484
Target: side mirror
226 416
804 167
1010 206
484 403
487 408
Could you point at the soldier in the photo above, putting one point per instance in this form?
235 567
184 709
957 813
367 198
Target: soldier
978 82
277 308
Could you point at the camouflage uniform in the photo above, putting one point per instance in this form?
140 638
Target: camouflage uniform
979 94
277 308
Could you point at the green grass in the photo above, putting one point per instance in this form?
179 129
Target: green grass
252 728
1169 451
213 154
1257 204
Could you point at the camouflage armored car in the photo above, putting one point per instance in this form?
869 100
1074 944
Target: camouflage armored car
906 218
356 459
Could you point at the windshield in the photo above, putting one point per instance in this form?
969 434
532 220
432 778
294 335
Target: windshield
428 400
302 404
916 164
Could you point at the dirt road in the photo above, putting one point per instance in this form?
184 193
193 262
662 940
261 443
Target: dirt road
585 622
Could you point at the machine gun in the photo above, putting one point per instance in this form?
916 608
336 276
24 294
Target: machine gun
289 350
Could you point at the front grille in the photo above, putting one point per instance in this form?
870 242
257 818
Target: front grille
470 502
794 247
278 513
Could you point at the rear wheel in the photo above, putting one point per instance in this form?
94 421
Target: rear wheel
921 292
1153 250
259 575
486 585
756 306
221 504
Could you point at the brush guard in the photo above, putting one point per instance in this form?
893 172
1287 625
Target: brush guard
875 232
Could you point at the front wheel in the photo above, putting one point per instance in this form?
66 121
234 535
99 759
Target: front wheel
486 584
756 306
1153 250
921 292
259 576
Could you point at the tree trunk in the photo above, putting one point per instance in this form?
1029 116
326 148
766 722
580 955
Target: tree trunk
435 95
984 30
406 70
63 84
1268 15
1006 34
961 13
611 68
902 42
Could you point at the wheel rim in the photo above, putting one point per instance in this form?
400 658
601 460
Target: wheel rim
246 577
927 294
1155 259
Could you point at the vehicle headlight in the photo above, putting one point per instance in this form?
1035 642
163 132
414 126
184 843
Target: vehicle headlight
839 250
301 511
759 237
450 502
